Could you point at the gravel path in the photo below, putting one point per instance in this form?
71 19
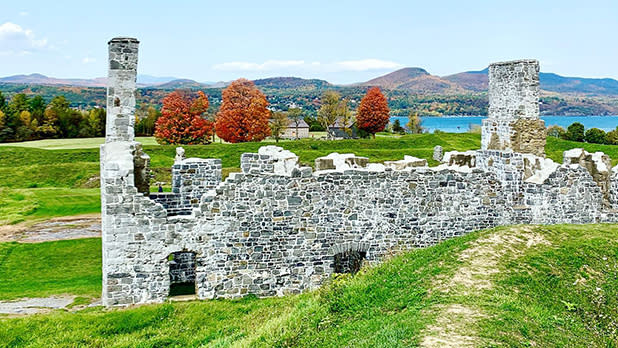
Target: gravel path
72 227
35 305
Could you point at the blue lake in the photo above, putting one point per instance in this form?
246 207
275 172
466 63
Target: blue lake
460 124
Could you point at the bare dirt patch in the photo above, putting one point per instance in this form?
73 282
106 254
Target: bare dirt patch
446 332
70 227
455 323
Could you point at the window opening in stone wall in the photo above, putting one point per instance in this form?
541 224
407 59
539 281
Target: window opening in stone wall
182 273
117 101
349 261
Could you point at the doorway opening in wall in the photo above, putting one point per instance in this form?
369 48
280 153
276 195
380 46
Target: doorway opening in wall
349 261
182 273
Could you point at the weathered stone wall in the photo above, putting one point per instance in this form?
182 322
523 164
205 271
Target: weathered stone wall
269 234
513 123
121 77
514 89
191 178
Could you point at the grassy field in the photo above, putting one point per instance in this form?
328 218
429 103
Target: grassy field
31 171
76 143
17 205
69 266
532 286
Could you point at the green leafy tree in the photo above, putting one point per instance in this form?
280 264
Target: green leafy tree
37 106
414 123
575 132
278 124
595 136
146 117
64 122
397 128
19 103
25 131
3 105
346 117
330 109
296 116
94 123
556 132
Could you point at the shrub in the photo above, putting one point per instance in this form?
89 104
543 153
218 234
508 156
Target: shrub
596 136
612 137
575 132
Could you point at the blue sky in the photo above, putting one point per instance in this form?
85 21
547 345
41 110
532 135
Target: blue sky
340 41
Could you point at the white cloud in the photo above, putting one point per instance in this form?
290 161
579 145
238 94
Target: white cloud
23 13
347 65
17 40
87 60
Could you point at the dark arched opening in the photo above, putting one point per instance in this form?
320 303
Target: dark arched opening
182 273
349 261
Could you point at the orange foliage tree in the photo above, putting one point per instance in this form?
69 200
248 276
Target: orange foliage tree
182 119
243 115
373 113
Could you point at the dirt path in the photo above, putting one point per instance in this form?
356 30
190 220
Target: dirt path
455 324
70 227
35 305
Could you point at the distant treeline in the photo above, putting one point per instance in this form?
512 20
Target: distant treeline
31 118
401 102
577 132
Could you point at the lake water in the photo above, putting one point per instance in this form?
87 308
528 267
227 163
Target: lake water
460 124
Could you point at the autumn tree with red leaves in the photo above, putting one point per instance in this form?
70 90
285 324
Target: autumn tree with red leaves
373 113
182 119
243 115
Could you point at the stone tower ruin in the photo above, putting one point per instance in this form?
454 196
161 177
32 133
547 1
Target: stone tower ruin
513 123
122 75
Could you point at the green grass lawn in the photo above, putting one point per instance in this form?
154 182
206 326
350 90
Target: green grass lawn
69 266
66 144
17 205
562 292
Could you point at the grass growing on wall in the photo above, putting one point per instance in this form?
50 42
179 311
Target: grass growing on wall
561 291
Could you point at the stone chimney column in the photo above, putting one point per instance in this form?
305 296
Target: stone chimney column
121 85
513 123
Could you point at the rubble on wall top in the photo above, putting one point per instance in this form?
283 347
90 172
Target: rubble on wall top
514 62
123 39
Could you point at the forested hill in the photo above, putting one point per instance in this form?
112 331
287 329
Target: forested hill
408 90
478 81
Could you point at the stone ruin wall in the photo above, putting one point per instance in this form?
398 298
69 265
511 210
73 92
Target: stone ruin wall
278 228
513 120
271 233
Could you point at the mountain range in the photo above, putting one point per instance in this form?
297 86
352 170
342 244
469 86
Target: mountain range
412 80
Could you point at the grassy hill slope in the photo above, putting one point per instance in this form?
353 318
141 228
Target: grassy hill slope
545 286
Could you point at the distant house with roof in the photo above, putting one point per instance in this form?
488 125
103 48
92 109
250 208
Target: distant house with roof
290 131
338 131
